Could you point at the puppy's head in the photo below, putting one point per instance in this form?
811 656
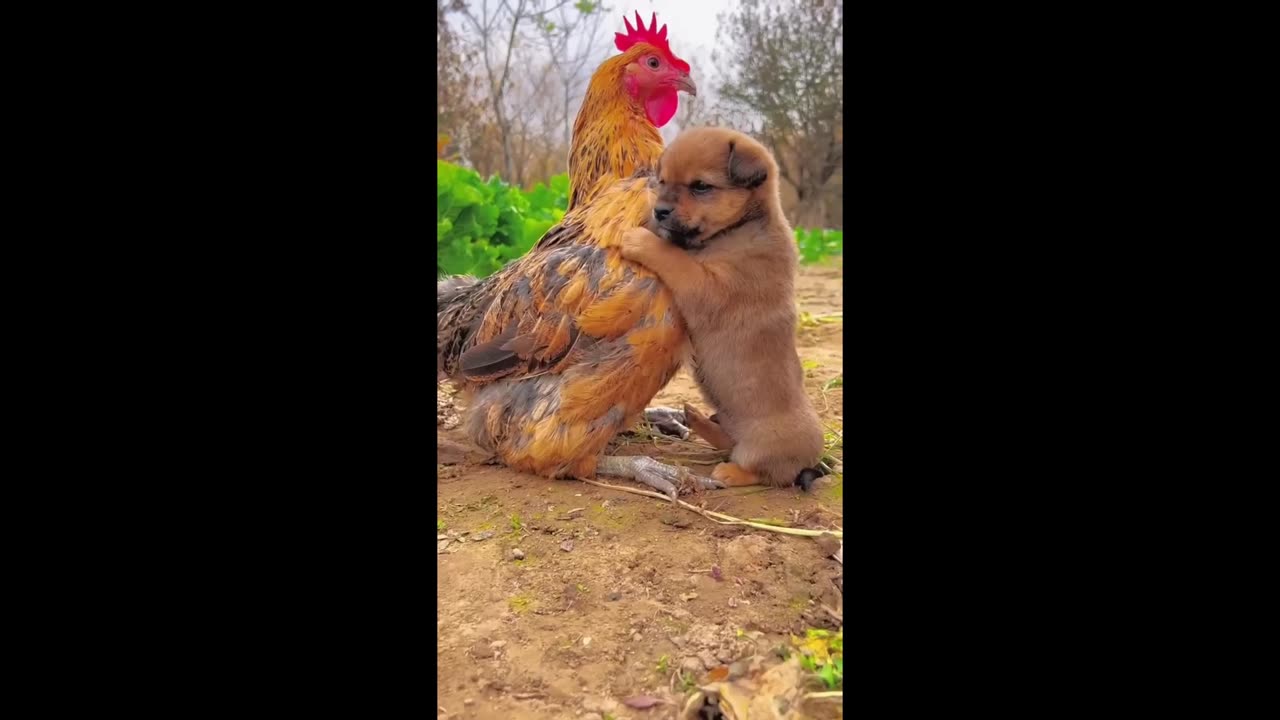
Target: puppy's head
711 180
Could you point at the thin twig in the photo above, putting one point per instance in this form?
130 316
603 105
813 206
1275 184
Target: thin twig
720 518
824 695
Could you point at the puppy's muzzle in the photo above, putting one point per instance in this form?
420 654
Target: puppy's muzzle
676 232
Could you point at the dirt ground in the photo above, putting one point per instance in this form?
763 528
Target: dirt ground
616 594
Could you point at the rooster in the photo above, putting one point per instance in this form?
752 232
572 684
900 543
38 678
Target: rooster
562 349
611 138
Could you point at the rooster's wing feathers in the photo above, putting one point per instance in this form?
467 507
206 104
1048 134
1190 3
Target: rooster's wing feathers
573 292
530 326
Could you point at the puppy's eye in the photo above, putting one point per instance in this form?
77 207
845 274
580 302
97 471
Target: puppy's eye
699 188
652 62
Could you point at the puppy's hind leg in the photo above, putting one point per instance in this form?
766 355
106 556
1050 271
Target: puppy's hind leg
707 428
808 477
734 475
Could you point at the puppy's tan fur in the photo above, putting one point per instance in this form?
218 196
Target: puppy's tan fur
729 258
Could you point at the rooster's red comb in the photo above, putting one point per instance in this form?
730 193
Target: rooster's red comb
650 36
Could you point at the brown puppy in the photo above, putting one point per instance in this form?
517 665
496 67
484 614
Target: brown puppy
729 258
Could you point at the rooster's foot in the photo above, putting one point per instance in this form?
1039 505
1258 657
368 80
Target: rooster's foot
667 421
667 479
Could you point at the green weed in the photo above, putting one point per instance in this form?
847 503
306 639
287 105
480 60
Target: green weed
822 653
520 603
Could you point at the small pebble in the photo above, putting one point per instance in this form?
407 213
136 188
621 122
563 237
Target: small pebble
615 596
691 664
636 637
567 546
517 554
586 641
498 644
468 701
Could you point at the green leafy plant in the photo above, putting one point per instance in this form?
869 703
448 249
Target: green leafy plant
816 244
482 225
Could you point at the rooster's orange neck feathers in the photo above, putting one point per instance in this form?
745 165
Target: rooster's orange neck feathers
612 137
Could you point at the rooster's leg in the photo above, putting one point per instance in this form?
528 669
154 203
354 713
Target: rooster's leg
667 421
667 479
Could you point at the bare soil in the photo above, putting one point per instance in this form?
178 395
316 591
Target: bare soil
616 594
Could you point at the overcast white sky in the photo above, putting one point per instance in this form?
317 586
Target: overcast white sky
691 32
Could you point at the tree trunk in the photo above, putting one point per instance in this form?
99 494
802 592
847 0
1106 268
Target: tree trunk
504 127
568 121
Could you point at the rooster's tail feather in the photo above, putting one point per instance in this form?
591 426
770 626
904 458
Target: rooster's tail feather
451 288
454 311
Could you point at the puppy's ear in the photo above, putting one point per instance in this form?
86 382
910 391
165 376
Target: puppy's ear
746 168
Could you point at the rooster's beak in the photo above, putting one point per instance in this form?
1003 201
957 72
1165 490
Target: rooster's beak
685 83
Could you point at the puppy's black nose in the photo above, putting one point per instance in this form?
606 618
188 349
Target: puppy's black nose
661 212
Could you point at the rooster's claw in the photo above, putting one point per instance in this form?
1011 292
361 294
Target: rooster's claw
669 480
667 421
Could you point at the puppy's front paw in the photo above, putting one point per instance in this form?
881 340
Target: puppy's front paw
636 242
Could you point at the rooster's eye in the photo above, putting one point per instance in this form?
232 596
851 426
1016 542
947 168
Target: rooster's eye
653 63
